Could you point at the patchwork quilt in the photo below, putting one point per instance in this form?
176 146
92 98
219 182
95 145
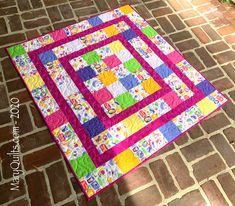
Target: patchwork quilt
113 92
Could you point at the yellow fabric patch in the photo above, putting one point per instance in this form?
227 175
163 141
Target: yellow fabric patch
126 160
150 85
111 30
116 47
206 106
126 9
34 82
107 77
133 123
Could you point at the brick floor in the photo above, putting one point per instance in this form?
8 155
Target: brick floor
199 169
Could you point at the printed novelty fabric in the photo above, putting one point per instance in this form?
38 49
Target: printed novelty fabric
113 92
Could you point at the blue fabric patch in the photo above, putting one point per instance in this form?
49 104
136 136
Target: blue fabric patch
46 57
94 127
129 81
205 87
163 70
129 34
94 21
86 73
170 131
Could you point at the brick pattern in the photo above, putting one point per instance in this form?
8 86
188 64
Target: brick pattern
198 169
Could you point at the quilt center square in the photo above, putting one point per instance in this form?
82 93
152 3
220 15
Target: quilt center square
114 77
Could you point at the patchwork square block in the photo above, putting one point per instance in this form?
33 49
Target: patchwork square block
113 92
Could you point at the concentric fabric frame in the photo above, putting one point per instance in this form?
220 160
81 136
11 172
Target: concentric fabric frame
98 170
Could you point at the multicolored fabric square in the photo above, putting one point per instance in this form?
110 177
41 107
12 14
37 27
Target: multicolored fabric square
113 92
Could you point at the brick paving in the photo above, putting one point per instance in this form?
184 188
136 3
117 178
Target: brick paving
197 170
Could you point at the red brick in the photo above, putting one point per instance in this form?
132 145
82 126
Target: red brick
109 197
205 57
188 14
232 95
33 14
23 96
7 133
195 132
15 23
226 30
229 109
7 3
143 11
36 3
53 2
22 202
3 28
45 29
215 123
75 185
165 24
102 5
82 201
63 24
176 21
66 11
147 197
161 11
228 185
86 11
70 204
195 21
217 47
201 35
163 178
7 194
191 57
213 194
54 14
38 120
32 34
58 180
213 74
208 167
185 4
229 133
199 2
15 85
4 117
36 23
113 4
187 45
223 84
37 188
196 149
182 140
130 182
225 57
220 22
36 140
80 4
211 32
176 5
169 148
180 170
224 149
230 39
193 198
230 70
12 38
24 122
3 97
24 5
182 35
155 4
8 11
41 157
